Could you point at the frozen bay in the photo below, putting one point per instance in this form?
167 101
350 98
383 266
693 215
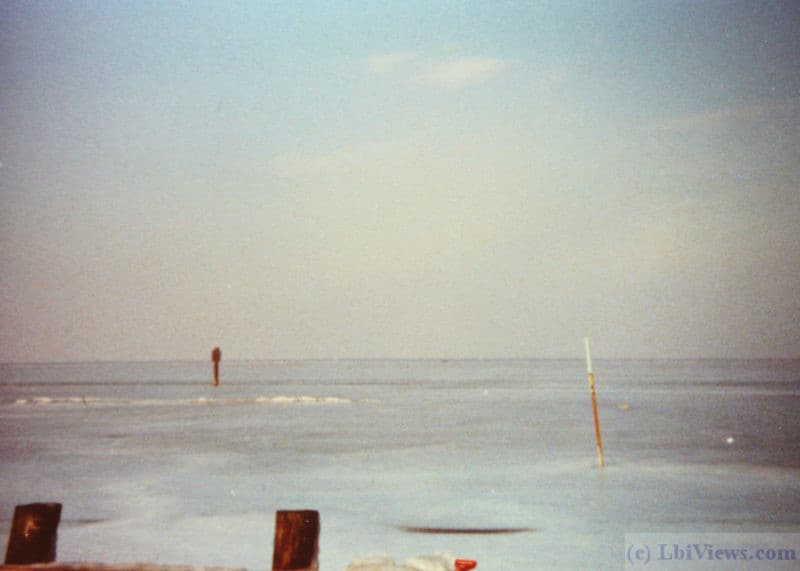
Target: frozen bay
152 463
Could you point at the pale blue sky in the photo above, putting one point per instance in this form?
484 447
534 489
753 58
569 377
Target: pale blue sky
409 179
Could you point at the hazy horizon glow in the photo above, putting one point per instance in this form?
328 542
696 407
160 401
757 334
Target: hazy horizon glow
322 180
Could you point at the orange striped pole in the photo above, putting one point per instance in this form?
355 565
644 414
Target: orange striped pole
599 438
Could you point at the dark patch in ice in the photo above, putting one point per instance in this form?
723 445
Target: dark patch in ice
82 522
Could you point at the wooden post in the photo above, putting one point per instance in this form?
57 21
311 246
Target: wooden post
216 356
34 534
296 541
598 438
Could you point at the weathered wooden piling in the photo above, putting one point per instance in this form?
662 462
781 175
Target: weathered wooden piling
34 534
296 545
216 357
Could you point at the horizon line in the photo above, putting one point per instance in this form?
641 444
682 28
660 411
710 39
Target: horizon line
407 359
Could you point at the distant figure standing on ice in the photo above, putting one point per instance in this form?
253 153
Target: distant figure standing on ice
216 355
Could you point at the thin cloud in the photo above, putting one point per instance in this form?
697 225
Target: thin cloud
450 73
383 64
731 116
347 161
461 72
314 165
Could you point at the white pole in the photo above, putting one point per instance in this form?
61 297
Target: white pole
588 355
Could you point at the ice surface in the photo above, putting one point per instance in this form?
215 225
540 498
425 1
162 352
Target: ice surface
174 402
154 464
440 562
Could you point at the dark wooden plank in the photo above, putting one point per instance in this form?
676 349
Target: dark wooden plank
296 540
34 534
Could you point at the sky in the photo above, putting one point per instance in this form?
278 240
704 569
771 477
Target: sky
339 179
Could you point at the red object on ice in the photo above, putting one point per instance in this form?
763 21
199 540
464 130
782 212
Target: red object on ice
465 564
